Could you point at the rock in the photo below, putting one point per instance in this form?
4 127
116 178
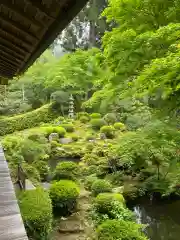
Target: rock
102 136
65 140
53 137
118 189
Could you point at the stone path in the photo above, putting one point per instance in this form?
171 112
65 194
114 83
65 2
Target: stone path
76 226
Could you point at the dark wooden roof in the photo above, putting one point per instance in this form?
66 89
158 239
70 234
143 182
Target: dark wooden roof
11 224
28 27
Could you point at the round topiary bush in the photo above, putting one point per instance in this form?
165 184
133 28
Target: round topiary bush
64 196
100 186
119 230
89 181
120 126
66 170
104 201
75 137
82 114
95 115
61 131
36 210
97 123
110 118
109 131
84 119
69 127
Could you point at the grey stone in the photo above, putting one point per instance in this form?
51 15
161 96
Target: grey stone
53 137
102 136
65 140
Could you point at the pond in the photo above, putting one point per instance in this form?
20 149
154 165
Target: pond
163 219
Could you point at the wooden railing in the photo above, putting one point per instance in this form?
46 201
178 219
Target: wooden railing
21 177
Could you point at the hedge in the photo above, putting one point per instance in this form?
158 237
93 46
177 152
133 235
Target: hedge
27 120
36 210
64 195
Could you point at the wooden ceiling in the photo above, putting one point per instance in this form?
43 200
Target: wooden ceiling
28 27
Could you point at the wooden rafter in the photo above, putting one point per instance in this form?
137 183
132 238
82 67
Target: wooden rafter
9 56
12 7
6 49
41 8
13 45
18 27
19 41
7 60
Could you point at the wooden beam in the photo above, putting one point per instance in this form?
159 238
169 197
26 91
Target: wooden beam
12 7
41 8
9 56
6 49
17 26
13 45
19 40
16 65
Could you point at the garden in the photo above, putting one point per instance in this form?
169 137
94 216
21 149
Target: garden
96 130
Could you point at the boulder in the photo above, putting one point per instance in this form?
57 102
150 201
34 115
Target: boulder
53 137
65 140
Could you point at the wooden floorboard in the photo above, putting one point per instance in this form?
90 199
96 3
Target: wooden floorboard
11 224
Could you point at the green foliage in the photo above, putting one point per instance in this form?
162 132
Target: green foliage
66 170
31 172
36 210
97 123
120 229
89 181
64 196
43 169
75 137
83 114
84 119
119 126
69 127
110 206
110 118
27 120
51 129
95 115
109 131
100 186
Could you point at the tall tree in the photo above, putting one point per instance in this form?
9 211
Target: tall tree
87 29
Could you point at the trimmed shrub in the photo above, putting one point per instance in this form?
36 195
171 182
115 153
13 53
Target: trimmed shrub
61 131
89 181
75 137
104 201
97 123
119 126
110 206
90 137
84 119
66 170
110 118
100 186
27 120
64 196
108 131
31 172
120 230
69 127
42 168
48 130
36 210
95 115
82 114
